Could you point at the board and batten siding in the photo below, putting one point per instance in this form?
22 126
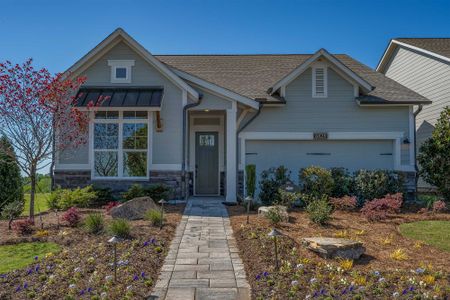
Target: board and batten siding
166 145
339 112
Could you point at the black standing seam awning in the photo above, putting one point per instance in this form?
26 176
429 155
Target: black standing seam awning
121 97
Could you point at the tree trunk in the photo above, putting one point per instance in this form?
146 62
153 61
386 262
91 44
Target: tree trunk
33 191
10 222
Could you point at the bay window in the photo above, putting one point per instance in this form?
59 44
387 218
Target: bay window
120 144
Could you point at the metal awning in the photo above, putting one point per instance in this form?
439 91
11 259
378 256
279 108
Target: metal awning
121 97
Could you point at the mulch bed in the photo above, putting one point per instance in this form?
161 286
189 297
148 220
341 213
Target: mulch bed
83 269
324 279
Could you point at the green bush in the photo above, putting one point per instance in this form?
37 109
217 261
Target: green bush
274 215
427 200
158 192
434 156
250 180
343 184
319 210
66 198
104 196
120 228
135 191
94 223
316 181
377 183
271 180
154 216
10 179
288 198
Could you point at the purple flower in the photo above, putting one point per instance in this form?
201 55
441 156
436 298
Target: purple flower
29 271
25 285
36 258
322 291
411 288
258 277
3 275
351 288
89 289
36 269
266 273
143 274
18 289
135 277
153 241
404 291
82 292
146 244
315 294
344 291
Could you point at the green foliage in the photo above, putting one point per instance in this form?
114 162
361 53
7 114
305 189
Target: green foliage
66 198
377 183
250 180
10 178
271 181
434 156
288 198
316 181
274 215
120 228
43 184
343 182
135 191
94 223
12 210
428 200
319 210
104 196
158 191
154 216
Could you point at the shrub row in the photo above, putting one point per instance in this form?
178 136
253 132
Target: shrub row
154 191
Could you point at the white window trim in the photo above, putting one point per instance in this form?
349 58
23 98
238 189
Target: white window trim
120 121
325 80
114 64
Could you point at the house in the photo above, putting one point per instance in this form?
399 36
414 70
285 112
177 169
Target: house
194 121
422 65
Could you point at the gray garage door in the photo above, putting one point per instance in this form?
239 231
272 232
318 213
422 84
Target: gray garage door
353 155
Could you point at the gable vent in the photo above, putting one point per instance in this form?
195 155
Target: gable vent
319 82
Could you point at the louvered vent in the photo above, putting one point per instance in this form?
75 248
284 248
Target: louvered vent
319 82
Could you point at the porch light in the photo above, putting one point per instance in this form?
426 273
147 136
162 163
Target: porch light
162 202
249 200
114 241
275 234
406 141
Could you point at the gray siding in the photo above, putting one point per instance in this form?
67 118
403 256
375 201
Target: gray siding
211 101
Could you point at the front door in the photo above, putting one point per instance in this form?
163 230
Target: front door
206 163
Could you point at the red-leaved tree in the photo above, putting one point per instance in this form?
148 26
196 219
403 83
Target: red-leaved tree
35 108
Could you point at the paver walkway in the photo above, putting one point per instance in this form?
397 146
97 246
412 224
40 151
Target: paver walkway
203 261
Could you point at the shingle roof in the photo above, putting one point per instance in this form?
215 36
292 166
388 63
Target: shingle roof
252 75
439 46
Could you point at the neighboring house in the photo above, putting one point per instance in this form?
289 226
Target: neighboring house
195 121
423 65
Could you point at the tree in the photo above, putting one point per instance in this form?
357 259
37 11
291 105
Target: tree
38 114
12 210
434 156
10 178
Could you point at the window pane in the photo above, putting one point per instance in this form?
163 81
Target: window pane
135 136
105 163
106 136
107 115
135 115
121 72
135 164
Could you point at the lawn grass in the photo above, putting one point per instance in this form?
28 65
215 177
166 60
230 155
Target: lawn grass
434 233
40 203
20 255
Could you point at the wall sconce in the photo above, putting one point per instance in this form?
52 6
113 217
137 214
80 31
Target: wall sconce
406 141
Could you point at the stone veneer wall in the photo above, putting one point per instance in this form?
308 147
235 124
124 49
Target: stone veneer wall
73 179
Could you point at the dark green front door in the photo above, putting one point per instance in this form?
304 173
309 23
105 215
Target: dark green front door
206 163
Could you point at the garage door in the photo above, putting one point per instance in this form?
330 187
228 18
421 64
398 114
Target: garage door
353 155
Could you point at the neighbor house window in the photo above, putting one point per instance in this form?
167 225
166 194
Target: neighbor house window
120 141
121 70
319 82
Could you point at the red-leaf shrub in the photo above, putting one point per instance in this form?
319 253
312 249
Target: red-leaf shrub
23 227
344 203
110 206
439 206
72 217
378 209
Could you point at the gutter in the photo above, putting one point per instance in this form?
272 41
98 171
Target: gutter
416 167
237 142
184 188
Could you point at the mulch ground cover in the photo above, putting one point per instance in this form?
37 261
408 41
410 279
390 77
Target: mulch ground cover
83 269
420 272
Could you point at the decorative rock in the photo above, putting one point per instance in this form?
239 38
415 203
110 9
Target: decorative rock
334 247
263 210
133 209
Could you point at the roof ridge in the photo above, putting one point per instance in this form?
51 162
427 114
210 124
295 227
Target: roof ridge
422 38
245 54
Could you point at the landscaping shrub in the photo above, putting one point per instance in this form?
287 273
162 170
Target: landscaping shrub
439 206
288 198
433 156
10 178
250 180
316 181
274 215
428 200
270 182
53 199
66 198
319 210
120 228
378 209
23 227
135 191
344 203
94 223
375 184
343 183
111 205
157 191
72 217
12 210
154 216
104 195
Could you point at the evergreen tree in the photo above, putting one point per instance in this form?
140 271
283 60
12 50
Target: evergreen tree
10 177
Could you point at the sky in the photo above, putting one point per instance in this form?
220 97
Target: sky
57 33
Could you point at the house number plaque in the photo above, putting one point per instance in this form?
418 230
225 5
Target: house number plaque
320 136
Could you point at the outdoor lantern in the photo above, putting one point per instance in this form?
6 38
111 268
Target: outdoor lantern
274 234
162 201
249 200
114 241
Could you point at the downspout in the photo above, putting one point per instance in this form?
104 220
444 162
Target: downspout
416 167
184 187
237 141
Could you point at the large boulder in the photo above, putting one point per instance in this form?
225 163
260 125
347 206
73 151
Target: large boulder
334 247
263 210
133 209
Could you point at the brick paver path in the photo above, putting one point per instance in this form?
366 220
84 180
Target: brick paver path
203 261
